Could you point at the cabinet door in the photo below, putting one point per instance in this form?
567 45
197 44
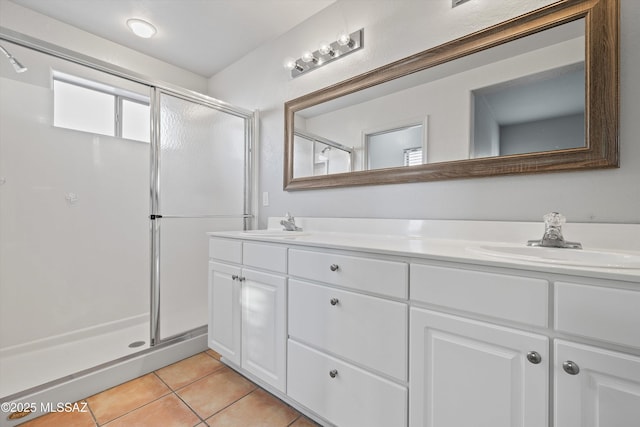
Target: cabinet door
264 323
468 373
224 310
600 389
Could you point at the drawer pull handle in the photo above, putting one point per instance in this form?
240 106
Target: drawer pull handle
534 357
334 301
333 373
334 267
571 368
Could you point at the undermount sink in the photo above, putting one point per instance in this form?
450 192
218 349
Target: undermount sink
275 233
575 257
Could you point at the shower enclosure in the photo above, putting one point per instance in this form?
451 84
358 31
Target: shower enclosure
103 252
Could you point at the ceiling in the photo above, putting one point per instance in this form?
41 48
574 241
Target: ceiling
202 36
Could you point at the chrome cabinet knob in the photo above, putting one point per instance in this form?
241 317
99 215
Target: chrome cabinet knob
234 277
334 267
333 373
534 357
242 279
571 368
334 301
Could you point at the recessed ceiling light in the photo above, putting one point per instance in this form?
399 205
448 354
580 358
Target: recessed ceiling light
141 28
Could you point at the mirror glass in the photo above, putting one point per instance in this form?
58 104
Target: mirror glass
524 96
537 93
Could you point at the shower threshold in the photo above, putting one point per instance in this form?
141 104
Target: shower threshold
21 371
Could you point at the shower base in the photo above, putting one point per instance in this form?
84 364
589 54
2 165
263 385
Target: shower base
37 364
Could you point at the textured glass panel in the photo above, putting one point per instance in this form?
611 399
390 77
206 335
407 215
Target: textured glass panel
183 271
135 121
201 160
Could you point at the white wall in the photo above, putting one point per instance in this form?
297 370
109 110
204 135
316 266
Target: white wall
393 30
34 24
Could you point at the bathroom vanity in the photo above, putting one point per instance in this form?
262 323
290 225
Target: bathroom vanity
398 322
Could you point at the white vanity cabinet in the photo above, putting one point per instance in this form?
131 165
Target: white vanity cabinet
348 332
474 359
595 387
247 314
359 336
465 372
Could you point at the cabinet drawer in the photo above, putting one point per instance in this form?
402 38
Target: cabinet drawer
268 257
225 250
520 299
372 275
371 330
607 314
353 398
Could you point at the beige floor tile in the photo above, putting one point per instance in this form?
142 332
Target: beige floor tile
66 419
215 392
213 354
188 370
126 397
304 422
258 409
168 411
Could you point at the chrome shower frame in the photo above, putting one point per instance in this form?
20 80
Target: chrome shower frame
157 87
13 61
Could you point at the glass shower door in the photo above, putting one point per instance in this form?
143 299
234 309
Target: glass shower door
202 156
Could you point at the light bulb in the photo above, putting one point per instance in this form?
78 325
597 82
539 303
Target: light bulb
141 28
325 49
290 64
308 57
344 39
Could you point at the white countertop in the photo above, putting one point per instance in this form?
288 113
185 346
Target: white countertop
454 241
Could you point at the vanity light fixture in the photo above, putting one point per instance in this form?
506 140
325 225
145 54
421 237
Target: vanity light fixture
141 28
327 52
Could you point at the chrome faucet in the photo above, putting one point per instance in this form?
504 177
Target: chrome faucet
289 223
552 237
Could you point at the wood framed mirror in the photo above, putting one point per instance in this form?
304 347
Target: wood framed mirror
450 99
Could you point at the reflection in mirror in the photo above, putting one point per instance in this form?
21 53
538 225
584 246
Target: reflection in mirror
316 155
395 147
537 93
538 112
445 93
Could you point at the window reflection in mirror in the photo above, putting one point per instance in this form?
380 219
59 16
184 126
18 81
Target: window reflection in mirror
396 147
548 115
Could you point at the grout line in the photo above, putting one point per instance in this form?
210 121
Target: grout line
232 403
222 365
95 420
202 420
294 421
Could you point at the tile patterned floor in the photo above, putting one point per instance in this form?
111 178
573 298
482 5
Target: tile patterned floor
198 391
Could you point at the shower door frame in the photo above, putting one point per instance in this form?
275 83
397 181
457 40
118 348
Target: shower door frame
250 119
157 87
